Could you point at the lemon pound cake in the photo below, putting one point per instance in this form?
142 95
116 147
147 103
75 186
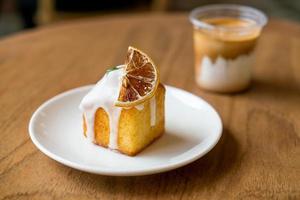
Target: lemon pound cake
125 109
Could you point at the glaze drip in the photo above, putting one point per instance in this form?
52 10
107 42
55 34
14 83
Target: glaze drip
140 107
152 111
103 95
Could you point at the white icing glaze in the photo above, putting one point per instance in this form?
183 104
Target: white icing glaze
140 107
152 111
103 95
225 73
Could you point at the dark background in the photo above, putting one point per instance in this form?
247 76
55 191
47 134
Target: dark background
17 15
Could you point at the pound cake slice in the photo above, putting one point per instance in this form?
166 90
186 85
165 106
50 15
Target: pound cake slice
138 126
125 110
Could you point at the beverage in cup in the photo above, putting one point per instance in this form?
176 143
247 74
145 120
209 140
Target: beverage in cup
225 37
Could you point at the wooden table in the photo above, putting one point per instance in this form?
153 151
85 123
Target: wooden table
258 155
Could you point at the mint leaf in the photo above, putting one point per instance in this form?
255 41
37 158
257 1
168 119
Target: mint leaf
111 69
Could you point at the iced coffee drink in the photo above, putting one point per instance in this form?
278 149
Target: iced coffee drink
225 37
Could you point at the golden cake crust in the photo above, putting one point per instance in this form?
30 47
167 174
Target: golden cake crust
134 131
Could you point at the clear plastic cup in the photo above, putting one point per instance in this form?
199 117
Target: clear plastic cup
225 37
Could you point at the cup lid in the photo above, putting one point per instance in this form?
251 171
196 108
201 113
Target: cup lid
227 10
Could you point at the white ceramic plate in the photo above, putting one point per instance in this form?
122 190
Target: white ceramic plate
193 128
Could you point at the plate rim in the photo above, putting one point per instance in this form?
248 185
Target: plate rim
138 172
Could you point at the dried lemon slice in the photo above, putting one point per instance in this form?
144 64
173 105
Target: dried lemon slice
139 81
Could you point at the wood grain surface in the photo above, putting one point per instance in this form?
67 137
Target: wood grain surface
258 156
